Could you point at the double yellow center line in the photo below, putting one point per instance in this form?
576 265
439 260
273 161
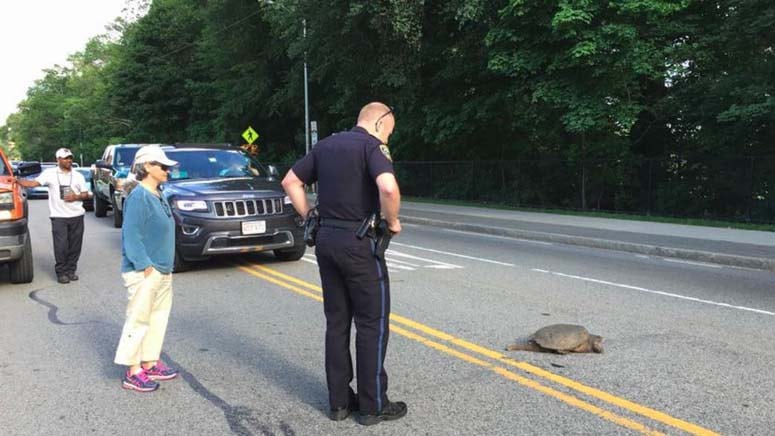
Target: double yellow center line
475 353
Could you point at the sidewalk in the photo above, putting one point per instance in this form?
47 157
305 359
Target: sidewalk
742 248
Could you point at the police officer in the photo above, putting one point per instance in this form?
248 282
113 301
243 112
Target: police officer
355 177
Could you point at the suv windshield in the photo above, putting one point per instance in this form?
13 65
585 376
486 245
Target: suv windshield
213 163
125 156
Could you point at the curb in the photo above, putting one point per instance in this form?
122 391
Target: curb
760 263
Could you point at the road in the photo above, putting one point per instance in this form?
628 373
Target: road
688 345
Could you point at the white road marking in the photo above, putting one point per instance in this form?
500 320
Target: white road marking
310 258
404 262
651 291
453 254
312 261
709 265
392 265
642 256
434 262
498 237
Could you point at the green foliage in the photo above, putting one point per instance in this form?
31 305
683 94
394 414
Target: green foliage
68 107
573 80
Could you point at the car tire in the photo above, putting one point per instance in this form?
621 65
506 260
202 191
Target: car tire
22 270
100 206
118 216
180 265
290 254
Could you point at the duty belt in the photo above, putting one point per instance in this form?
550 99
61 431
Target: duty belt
340 224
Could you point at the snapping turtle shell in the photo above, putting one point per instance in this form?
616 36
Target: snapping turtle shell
561 338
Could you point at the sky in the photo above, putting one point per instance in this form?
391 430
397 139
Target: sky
37 34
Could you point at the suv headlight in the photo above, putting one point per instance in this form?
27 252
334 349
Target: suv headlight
6 200
191 205
8 210
286 200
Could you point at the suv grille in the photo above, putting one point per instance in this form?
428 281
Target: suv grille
242 208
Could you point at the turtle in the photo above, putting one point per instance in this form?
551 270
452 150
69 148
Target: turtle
561 339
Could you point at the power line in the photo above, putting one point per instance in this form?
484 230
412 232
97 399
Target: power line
185 46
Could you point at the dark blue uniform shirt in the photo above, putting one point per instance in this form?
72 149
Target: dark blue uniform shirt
346 166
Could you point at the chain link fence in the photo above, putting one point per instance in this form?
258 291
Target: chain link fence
736 189
739 189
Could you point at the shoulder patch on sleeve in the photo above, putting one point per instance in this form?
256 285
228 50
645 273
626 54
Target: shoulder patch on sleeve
386 151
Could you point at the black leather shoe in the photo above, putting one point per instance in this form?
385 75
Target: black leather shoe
72 276
390 411
340 413
63 279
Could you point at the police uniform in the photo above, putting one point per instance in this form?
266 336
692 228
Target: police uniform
355 281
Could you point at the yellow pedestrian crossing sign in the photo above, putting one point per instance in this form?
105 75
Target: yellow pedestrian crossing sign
250 135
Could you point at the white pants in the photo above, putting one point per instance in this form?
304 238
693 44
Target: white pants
150 301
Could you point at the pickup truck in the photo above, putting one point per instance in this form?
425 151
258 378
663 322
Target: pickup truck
15 245
108 177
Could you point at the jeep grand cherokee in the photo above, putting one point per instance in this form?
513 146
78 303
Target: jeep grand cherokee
225 202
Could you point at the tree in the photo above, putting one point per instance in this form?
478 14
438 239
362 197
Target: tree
583 71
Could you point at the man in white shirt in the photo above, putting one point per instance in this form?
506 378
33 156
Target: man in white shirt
67 190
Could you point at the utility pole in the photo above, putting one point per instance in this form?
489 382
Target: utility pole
306 89
306 77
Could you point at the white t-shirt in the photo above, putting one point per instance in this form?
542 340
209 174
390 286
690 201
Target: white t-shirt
53 178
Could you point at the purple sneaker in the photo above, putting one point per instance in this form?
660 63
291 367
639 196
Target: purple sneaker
139 382
161 372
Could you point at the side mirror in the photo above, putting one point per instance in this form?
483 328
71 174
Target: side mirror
102 164
27 169
273 171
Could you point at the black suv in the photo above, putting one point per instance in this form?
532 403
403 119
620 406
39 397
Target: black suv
226 202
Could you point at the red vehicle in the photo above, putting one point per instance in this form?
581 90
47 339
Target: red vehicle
15 246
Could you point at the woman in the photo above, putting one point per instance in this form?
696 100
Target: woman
148 252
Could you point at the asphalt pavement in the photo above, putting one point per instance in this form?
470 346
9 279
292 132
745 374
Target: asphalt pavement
688 346
725 246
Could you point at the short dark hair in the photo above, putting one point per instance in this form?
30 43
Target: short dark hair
140 172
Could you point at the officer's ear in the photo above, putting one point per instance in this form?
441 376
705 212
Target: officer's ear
379 121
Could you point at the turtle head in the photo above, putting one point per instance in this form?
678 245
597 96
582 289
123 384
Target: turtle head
596 342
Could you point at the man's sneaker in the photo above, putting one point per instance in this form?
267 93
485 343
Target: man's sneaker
390 411
139 382
161 372
72 276
63 279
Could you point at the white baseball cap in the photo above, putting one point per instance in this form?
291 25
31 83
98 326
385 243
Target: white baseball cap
63 153
153 153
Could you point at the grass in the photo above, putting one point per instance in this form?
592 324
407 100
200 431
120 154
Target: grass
598 214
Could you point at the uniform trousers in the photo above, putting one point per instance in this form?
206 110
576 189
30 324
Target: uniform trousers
147 314
355 287
68 238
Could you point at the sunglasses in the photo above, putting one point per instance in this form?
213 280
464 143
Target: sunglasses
376 123
161 165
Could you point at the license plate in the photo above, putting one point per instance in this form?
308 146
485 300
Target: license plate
253 227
